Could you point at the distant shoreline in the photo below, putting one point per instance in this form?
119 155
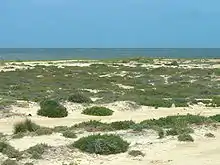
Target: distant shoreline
54 54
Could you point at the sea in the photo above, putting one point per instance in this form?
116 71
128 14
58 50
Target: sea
104 53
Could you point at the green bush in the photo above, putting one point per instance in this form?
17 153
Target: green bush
9 162
69 134
52 109
37 151
79 98
97 111
122 125
136 153
8 150
102 144
185 137
26 126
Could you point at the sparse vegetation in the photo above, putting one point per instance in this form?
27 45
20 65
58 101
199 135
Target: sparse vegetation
9 162
98 111
122 125
37 151
79 98
8 150
215 118
52 109
136 153
179 130
209 135
185 137
44 131
69 134
28 164
102 144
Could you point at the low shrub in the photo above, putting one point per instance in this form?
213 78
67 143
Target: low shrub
8 150
209 135
216 101
94 126
161 133
9 162
60 129
79 98
185 137
177 131
159 103
136 153
172 132
102 144
98 111
122 125
52 109
26 126
176 121
28 164
37 151
137 127
44 131
215 118
69 134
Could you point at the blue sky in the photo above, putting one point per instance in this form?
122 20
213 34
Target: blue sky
109 23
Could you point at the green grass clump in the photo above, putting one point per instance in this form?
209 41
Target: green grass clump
102 144
136 153
69 134
26 126
37 151
8 150
185 137
79 98
122 125
9 162
52 109
98 111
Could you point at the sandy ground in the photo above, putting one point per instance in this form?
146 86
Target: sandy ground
167 151
12 66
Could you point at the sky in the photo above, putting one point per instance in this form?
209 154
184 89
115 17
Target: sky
109 23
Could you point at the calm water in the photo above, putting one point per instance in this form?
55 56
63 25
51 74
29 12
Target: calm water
72 53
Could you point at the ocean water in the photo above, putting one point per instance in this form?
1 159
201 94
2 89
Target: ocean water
105 53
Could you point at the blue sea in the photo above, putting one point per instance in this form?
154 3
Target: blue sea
104 53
